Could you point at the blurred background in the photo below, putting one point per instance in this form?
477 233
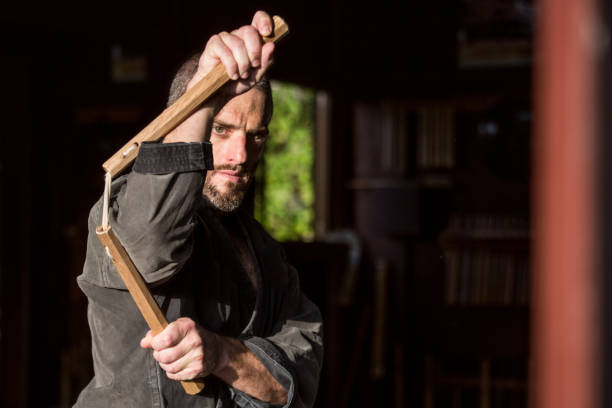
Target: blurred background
436 170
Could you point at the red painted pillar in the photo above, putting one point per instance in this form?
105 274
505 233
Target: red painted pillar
565 302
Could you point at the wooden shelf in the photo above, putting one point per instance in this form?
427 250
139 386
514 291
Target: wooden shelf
510 243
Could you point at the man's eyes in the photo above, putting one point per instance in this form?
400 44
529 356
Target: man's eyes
224 131
220 130
259 137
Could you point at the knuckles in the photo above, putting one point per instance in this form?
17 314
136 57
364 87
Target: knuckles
170 368
164 356
192 373
160 342
186 322
195 341
213 41
178 371
229 48
234 41
247 31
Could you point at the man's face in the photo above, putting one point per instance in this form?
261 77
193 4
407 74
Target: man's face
238 135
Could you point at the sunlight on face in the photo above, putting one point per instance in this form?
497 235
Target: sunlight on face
238 136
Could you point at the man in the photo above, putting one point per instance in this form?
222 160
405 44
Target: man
237 315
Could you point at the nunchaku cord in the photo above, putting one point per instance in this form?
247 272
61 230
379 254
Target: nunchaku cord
107 188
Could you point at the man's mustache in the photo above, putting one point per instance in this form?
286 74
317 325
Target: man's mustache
237 168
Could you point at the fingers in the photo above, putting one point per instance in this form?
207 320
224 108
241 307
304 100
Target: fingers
146 340
173 334
266 58
252 43
179 350
262 22
186 367
217 51
243 53
238 51
236 60
266 61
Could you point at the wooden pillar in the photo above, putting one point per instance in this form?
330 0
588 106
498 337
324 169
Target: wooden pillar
564 297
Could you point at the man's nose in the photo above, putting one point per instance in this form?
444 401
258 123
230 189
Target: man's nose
237 149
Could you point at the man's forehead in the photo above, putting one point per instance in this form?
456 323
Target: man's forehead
249 106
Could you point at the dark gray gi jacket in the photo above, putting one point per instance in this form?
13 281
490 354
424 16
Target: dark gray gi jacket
188 259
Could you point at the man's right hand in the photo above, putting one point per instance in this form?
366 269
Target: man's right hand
243 53
246 58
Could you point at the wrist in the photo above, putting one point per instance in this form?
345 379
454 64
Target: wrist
195 128
230 355
223 354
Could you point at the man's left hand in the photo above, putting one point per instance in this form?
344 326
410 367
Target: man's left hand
184 350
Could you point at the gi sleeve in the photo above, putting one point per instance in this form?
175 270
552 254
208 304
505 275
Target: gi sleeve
152 212
293 354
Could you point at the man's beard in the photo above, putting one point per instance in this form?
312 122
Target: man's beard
230 200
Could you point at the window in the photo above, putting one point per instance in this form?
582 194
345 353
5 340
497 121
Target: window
284 196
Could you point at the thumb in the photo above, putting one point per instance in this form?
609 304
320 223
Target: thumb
145 342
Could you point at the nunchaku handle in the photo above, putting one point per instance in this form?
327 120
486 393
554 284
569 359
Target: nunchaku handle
140 293
173 115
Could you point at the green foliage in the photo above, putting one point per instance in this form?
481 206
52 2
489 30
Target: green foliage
285 192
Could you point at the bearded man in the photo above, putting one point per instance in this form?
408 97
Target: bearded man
238 317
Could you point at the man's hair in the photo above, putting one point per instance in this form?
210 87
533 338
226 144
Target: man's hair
189 68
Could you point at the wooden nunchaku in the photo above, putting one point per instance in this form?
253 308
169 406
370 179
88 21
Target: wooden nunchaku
158 128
